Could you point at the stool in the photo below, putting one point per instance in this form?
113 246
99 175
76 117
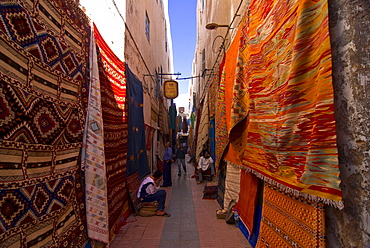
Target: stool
148 209
206 175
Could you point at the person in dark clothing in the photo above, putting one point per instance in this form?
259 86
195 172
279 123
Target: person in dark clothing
180 156
149 191
167 158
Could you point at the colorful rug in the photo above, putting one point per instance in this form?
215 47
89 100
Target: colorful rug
93 158
43 77
250 205
133 183
221 183
203 130
232 184
115 124
223 108
283 99
210 191
291 222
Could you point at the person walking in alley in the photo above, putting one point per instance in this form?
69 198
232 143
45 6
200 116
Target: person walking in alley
150 191
205 163
180 156
167 158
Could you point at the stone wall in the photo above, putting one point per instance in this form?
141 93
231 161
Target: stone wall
349 30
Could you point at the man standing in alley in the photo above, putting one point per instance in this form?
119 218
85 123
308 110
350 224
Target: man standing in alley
167 158
180 155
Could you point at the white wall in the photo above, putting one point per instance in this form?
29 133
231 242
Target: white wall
109 21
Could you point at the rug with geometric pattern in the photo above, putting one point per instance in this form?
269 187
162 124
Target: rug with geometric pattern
43 72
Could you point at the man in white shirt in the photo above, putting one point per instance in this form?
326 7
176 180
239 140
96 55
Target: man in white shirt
150 191
204 164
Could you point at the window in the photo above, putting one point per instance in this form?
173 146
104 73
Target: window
147 26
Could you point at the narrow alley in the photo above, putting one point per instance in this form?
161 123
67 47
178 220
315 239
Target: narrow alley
268 100
193 222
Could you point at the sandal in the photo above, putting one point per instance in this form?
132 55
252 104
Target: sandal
164 215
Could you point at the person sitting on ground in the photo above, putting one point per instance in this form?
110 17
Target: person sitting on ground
150 191
205 163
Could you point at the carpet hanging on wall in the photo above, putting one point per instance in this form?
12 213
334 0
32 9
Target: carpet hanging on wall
203 129
137 158
221 174
115 124
44 64
93 158
290 221
282 116
250 206
223 107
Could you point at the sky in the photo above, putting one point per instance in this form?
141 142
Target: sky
182 15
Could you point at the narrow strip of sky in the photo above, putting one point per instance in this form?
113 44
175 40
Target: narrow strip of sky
182 15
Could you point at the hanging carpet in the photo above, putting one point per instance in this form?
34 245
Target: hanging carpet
221 183
223 108
137 158
114 113
44 64
93 158
203 129
290 222
282 119
250 206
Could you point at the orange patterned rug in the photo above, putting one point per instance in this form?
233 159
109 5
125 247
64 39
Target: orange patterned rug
290 222
282 117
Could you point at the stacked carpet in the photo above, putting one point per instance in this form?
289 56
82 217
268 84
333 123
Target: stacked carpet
44 63
210 191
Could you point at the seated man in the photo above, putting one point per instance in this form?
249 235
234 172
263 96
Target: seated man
205 163
149 191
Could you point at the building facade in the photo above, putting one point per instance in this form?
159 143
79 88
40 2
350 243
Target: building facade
139 34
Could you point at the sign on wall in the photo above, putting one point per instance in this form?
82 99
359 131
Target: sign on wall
171 89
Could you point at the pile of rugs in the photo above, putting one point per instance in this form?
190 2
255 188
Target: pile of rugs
210 191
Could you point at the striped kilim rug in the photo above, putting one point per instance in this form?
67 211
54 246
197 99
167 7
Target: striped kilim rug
284 90
290 222
93 158
44 64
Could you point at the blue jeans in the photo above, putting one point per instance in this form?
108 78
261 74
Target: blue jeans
159 196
